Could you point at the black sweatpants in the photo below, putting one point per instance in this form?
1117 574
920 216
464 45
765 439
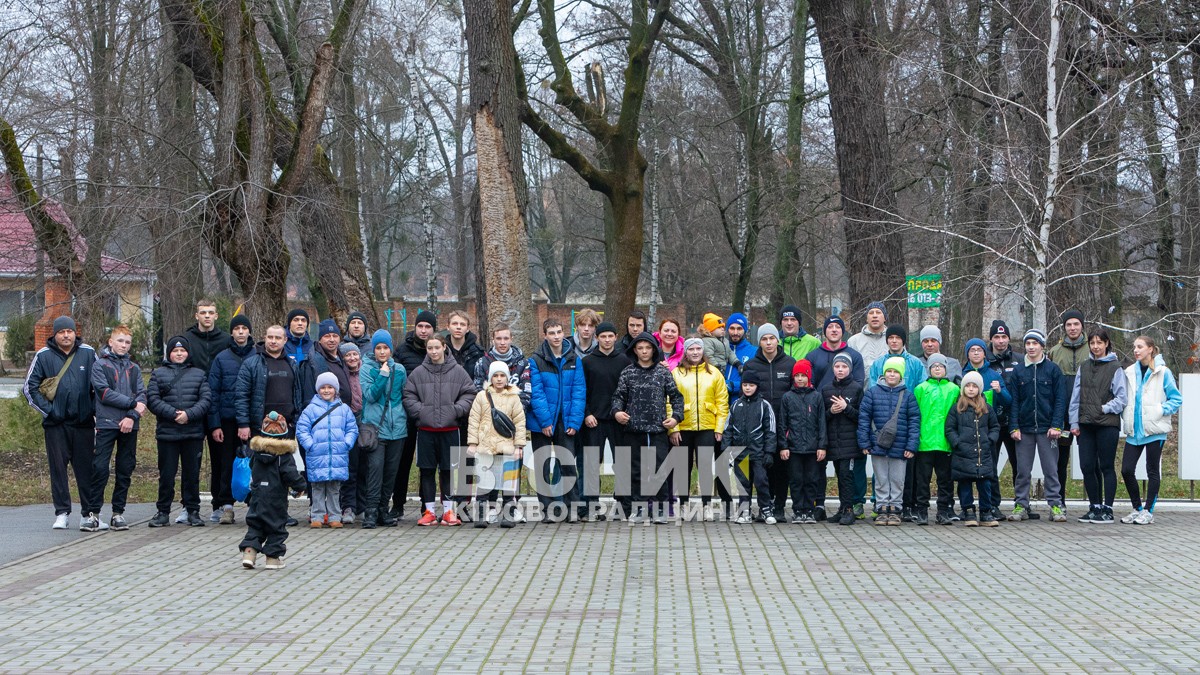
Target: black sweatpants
779 475
348 495
66 444
929 463
759 480
605 430
1010 447
844 470
126 446
220 456
652 445
1129 462
433 462
802 479
179 457
1064 454
693 441
398 492
368 474
1097 462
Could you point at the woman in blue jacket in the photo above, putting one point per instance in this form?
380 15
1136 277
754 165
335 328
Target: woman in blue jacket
1153 398
382 381
888 460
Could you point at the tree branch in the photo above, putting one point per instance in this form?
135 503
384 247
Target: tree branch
311 119
562 149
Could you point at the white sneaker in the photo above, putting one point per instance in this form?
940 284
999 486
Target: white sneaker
182 517
102 526
708 513
743 520
1146 517
1132 517
60 522
519 516
771 520
493 516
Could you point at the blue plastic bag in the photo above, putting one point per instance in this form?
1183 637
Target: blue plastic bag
241 475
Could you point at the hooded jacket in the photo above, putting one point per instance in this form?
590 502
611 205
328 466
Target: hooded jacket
742 352
1154 398
117 383
482 434
869 344
557 389
383 398
205 345
821 359
222 382
879 403
716 350
1039 397
327 444
1099 393
705 398
518 370
935 398
600 375
751 426
1069 354
841 429
436 395
468 357
178 386
798 346
647 395
802 421
411 353
250 400
914 370
775 377
573 338
972 438
73 401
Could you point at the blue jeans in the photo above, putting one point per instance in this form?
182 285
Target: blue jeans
965 497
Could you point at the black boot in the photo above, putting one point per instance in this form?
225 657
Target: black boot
481 513
369 518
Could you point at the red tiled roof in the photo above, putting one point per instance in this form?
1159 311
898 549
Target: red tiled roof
18 245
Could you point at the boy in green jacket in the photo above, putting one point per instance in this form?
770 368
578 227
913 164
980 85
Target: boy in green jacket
935 397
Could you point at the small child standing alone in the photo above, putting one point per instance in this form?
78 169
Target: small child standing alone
327 431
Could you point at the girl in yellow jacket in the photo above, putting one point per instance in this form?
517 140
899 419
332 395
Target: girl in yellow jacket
706 407
488 445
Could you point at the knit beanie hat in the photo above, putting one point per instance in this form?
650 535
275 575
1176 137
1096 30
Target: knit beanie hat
931 332
974 342
295 313
328 378
834 319
897 330
356 315
998 328
240 320
803 366
692 342
274 424
936 360
973 377
347 347
712 322
1035 334
326 327
843 357
606 327
751 377
877 305
381 337
894 363
176 342
740 319
791 311
498 367
767 329
426 316
63 323
1072 314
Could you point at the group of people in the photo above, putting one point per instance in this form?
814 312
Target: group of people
342 418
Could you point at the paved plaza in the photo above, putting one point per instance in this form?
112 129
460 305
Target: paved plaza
615 598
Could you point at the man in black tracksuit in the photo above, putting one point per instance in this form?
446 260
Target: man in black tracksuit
120 402
67 420
644 390
1002 359
774 371
601 371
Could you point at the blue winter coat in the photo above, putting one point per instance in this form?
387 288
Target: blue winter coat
1039 397
996 399
327 445
821 359
744 351
381 393
876 409
558 390
222 382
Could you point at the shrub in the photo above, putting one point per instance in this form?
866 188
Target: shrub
19 338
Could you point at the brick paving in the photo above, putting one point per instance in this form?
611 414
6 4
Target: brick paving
615 598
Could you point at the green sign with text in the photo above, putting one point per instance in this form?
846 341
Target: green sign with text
924 290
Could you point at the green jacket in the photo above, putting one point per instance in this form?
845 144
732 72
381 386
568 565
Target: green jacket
935 398
798 346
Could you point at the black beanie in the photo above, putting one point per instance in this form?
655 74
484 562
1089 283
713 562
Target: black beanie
606 327
999 328
792 311
240 320
897 330
426 316
295 313
1072 314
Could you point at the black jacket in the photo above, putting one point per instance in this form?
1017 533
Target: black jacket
410 354
1004 364
73 401
802 421
322 363
222 382
643 393
600 373
751 425
250 398
206 346
178 386
841 429
117 381
467 357
775 377
363 341
972 439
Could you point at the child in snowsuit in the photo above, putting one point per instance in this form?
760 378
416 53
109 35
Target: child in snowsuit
272 471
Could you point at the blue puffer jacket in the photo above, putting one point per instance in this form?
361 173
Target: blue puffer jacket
380 393
222 382
327 445
876 409
1039 398
558 389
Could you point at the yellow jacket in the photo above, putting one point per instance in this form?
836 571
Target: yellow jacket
481 432
705 398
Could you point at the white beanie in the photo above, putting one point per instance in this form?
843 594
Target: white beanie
328 378
931 332
498 367
973 377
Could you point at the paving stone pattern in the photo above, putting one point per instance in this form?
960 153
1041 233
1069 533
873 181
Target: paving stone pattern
615 598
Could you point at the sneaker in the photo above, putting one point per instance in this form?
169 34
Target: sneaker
954 515
215 517
907 515
988 520
708 513
427 519
451 519
348 516
1058 514
1146 517
1091 516
1033 514
493 516
182 517
743 519
847 518
89 523
60 522
659 518
884 517
894 520
274 563
997 514
944 517
226 515
921 517
160 519
291 522
969 518
1132 517
193 519
518 516
819 515
335 524
117 522
316 524
637 518
1105 517
796 519
859 512
769 519
1018 514
249 556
